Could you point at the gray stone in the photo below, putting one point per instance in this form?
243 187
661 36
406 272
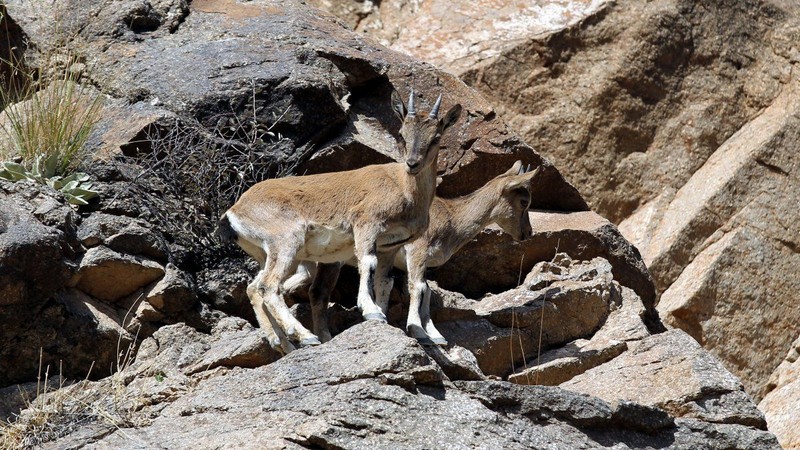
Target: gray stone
672 372
510 327
123 234
486 265
624 324
109 276
563 363
456 362
174 293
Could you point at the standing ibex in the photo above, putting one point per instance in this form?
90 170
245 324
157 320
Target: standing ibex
504 200
368 213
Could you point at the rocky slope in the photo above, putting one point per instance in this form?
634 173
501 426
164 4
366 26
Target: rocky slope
133 291
676 120
370 387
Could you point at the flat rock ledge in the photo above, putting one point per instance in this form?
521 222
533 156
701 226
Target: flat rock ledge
370 387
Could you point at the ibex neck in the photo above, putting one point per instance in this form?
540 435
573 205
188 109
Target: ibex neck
422 185
471 214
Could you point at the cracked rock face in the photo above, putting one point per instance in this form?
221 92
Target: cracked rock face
201 379
329 86
161 66
373 387
677 120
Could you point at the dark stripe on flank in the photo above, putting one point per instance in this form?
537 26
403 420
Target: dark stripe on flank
395 244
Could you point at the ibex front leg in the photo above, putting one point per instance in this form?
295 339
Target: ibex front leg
415 264
427 323
366 252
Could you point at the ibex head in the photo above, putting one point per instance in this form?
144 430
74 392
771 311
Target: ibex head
511 212
420 134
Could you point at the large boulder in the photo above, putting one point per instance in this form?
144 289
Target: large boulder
369 387
109 276
34 264
649 373
602 86
558 302
724 246
33 254
493 262
624 326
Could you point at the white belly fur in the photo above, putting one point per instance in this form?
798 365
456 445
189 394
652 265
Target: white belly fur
327 244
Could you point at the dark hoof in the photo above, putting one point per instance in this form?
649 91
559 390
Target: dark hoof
426 341
308 342
375 316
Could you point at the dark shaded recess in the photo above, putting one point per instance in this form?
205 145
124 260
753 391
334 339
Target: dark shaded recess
12 47
370 99
563 198
143 19
344 157
142 142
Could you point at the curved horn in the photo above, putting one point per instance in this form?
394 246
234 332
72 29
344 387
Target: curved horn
435 111
411 111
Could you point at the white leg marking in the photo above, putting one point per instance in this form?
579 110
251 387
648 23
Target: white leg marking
367 265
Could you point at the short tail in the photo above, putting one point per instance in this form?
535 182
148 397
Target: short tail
225 231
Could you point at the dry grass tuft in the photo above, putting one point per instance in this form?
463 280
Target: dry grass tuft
48 113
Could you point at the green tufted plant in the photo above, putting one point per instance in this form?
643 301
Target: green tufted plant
75 187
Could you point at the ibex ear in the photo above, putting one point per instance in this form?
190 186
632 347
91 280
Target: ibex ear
522 180
450 118
398 106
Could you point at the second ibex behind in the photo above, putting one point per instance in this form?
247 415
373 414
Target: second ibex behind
368 213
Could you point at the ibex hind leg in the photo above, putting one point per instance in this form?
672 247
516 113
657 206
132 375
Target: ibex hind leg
384 282
415 265
275 337
319 294
270 283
